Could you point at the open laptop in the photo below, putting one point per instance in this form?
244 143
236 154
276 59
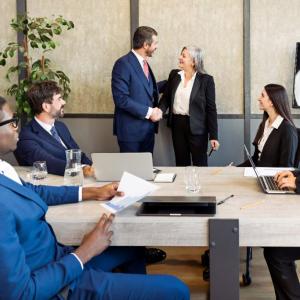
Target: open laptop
267 183
110 166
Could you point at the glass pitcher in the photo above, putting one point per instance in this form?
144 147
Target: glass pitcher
73 171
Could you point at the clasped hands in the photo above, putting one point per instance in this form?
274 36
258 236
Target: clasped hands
156 114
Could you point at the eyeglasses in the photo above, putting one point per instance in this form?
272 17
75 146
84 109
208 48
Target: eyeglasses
14 122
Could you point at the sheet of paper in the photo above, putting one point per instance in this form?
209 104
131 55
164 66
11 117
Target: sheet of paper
249 172
164 177
134 189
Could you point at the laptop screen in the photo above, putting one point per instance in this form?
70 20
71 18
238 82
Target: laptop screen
251 161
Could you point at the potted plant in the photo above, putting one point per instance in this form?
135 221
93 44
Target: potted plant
39 38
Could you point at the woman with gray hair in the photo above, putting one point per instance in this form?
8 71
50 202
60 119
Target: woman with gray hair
190 98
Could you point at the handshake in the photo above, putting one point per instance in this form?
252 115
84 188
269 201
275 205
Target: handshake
156 114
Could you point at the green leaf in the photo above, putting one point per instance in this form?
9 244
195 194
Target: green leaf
44 77
52 44
2 62
32 36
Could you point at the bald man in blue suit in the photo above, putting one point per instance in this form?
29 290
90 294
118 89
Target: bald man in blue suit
35 266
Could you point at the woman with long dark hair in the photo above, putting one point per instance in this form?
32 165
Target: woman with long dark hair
276 140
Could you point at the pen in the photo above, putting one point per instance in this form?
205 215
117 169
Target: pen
224 200
210 152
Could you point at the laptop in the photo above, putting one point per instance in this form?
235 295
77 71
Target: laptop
110 166
267 183
178 206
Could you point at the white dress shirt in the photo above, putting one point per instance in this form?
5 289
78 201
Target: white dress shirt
141 62
182 95
267 131
48 127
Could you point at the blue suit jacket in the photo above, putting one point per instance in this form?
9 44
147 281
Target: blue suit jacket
33 264
35 143
132 98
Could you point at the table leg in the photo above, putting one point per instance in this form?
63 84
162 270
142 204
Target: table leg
224 259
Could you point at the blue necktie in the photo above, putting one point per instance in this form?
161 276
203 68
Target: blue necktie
55 134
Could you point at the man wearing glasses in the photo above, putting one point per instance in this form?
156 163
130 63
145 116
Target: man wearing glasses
44 137
35 266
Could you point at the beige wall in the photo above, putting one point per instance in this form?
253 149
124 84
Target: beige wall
8 12
102 34
216 27
275 29
87 53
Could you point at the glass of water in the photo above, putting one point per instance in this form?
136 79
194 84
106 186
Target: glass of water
39 171
192 179
73 171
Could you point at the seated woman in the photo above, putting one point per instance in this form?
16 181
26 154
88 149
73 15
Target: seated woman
281 260
190 98
276 140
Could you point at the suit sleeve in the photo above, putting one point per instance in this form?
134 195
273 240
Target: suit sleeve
289 144
211 110
120 85
17 280
32 151
165 100
55 195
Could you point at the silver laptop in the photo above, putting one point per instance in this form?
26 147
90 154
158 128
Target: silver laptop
267 183
110 166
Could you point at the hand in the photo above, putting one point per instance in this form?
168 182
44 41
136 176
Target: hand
105 192
96 241
214 144
285 179
88 171
156 114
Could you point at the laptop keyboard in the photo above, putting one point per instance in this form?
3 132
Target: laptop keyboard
271 183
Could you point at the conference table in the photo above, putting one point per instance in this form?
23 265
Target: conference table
250 218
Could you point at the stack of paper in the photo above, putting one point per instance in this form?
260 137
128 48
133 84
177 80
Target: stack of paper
165 177
134 189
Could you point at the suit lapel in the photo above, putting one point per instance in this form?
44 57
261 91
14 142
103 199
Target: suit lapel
175 84
45 135
195 88
22 191
139 71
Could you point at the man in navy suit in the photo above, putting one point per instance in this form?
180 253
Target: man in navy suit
35 266
45 138
135 94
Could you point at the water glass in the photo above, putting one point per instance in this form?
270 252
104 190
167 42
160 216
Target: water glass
73 171
192 179
39 170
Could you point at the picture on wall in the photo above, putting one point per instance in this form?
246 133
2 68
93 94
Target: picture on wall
296 102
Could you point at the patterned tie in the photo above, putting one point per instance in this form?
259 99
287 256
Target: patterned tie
55 134
146 69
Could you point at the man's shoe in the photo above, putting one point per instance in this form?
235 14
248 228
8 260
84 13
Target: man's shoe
154 255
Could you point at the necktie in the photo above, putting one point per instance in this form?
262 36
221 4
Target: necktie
146 69
55 134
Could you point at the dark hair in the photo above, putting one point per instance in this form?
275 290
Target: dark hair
41 92
278 95
143 34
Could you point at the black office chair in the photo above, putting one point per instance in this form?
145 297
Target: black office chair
246 278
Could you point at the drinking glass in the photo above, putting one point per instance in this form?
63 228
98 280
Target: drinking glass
39 171
192 179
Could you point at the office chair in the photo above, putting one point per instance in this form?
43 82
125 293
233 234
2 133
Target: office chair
246 278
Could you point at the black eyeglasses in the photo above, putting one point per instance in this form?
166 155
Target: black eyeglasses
14 122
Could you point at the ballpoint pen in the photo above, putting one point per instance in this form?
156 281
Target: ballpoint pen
210 152
224 200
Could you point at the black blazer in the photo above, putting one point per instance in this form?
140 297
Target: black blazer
279 150
202 109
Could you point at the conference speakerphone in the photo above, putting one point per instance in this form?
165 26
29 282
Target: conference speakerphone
178 206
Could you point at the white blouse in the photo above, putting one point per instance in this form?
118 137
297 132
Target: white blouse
183 95
267 131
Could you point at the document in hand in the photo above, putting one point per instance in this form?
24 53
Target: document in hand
134 189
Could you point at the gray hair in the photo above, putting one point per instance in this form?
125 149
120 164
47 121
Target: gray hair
197 55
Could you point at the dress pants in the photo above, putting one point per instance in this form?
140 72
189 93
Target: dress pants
97 282
281 264
145 145
187 145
